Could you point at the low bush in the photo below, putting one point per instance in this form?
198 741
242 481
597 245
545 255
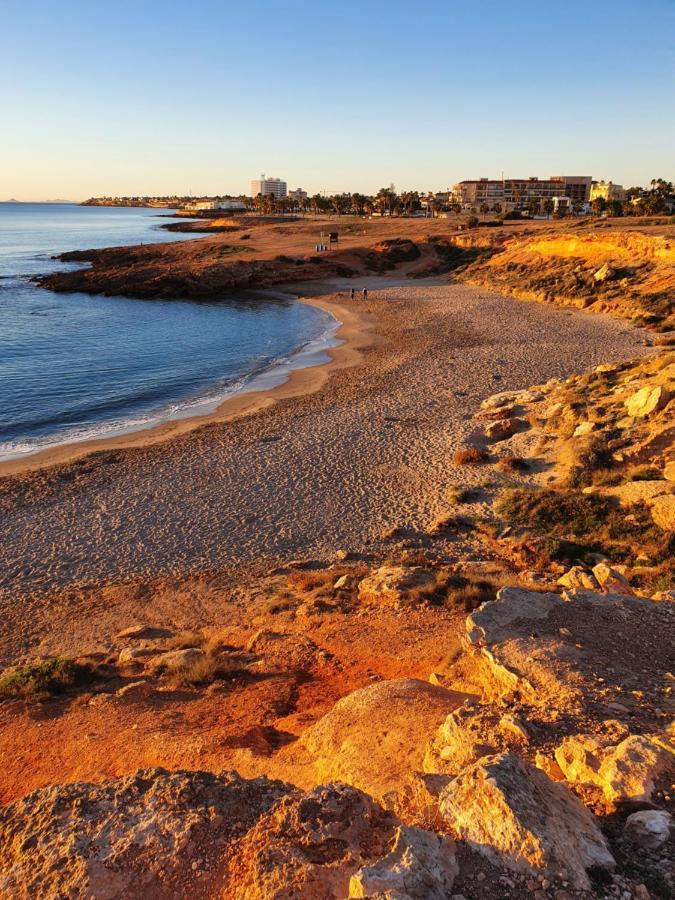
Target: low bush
572 523
645 473
457 494
205 671
513 464
49 677
470 456
468 593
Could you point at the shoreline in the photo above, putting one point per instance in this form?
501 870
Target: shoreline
338 464
352 330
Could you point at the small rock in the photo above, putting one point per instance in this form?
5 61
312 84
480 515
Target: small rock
397 586
514 726
604 273
611 580
649 828
136 632
133 689
130 654
583 428
177 659
579 577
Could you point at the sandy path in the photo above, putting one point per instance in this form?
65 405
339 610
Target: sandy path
370 449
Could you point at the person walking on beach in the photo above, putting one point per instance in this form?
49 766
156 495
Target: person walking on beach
365 293
352 292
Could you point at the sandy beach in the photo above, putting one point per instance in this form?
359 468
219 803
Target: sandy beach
334 458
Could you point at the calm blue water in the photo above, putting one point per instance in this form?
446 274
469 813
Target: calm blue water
74 366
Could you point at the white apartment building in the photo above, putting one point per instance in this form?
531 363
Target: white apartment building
264 186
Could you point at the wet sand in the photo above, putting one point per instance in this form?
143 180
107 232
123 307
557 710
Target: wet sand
331 459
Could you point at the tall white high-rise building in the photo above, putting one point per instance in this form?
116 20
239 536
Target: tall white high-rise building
265 185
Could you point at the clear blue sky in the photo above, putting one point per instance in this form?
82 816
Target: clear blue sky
146 97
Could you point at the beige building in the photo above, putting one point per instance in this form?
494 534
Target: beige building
516 193
267 186
298 194
608 191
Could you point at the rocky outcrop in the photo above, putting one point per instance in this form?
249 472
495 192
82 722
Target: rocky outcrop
624 771
309 845
516 816
375 736
420 866
152 834
397 585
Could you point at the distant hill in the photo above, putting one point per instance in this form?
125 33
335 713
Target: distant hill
12 200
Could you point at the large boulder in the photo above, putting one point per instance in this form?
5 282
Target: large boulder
420 866
663 511
374 737
466 735
516 816
632 492
397 585
628 772
151 834
502 429
309 845
647 400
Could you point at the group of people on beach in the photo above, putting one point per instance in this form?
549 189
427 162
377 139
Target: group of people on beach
364 292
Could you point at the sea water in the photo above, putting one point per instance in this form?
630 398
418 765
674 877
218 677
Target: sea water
76 366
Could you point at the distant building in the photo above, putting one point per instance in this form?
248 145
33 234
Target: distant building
200 204
517 193
231 205
298 194
267 186
607 190
562 204
228 204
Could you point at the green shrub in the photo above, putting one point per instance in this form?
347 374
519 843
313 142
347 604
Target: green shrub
574 523
51 676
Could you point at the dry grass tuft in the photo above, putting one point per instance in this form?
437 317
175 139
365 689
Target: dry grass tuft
204 671
469 592
186 639
513 464
305 582
470 456
458 494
